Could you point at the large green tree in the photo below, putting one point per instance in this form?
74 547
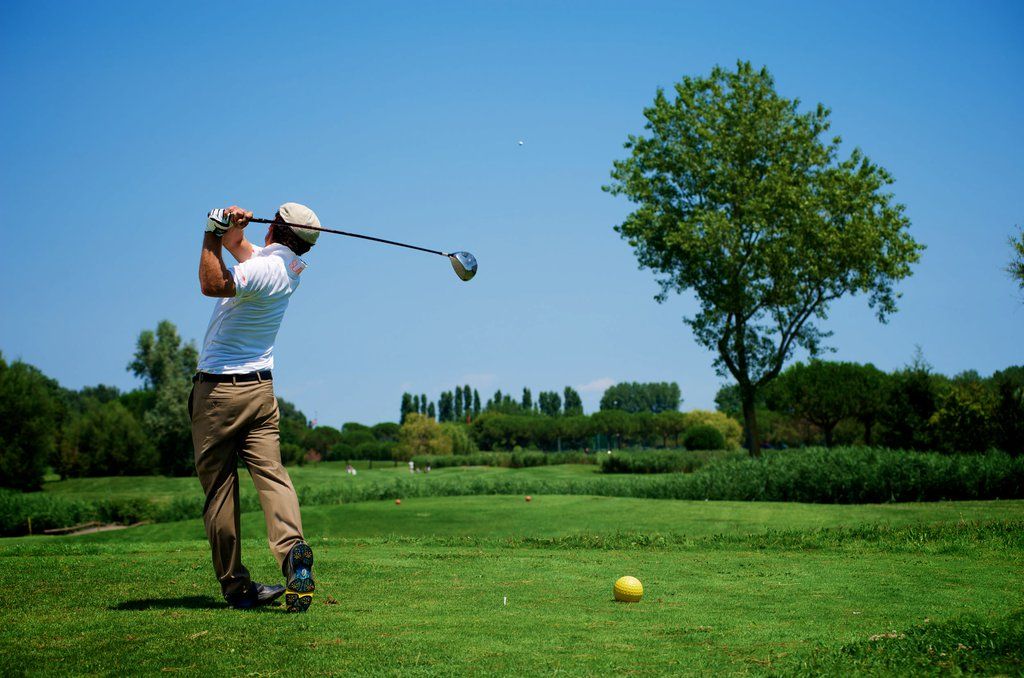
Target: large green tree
166 364
741 200
28 411
911 399
824 393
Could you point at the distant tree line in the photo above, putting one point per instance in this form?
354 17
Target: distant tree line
841 403
606 429
101 431
459 404
463 404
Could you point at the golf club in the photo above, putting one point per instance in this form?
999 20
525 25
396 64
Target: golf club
464 263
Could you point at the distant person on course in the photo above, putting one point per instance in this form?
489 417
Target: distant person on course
232 405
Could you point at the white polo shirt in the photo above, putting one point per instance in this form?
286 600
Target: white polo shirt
240 338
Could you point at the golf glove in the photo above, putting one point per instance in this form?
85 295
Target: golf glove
218 221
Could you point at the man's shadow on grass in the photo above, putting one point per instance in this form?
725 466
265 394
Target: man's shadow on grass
182 603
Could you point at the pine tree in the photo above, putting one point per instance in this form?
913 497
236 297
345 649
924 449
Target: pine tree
406 407
423 403
444 407
476 403
431 411
527 399
457 404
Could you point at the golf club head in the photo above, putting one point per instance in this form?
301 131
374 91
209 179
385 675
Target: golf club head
464 264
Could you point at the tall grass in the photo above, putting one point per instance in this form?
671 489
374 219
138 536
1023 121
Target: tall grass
664 461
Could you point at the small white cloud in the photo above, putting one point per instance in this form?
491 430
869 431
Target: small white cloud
596 386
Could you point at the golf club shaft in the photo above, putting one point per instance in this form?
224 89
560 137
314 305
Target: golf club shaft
351 235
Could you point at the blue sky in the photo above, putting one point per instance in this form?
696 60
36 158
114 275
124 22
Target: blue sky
121 124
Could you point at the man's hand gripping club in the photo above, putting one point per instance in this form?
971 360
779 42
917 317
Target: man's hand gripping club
223 227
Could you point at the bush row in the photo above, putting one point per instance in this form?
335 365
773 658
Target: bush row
48 511
504 459
815 475
812 475
664 461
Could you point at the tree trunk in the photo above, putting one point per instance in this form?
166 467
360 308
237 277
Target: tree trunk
750 420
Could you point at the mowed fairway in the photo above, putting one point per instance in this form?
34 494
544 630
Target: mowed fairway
421 588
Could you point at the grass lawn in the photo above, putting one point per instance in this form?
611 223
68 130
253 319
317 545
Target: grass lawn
731 588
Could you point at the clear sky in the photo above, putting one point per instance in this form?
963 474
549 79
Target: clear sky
121 124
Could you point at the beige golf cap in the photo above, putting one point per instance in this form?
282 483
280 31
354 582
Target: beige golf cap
300 215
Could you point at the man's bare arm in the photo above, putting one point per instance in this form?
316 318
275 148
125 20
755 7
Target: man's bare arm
234 238
214 277
234 241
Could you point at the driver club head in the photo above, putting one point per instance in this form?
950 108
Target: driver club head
464 264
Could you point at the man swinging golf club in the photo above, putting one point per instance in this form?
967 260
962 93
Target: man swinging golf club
232 405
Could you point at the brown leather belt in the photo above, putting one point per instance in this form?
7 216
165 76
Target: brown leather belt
265 375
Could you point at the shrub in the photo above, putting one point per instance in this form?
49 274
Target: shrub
47 511
704 437
461 442
730 429
292 454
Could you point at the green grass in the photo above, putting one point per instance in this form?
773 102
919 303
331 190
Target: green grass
556 516
732 588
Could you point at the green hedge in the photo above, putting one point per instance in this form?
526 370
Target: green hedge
504 459
671 461
816 475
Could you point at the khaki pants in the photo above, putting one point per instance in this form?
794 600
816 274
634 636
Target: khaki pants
232 421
